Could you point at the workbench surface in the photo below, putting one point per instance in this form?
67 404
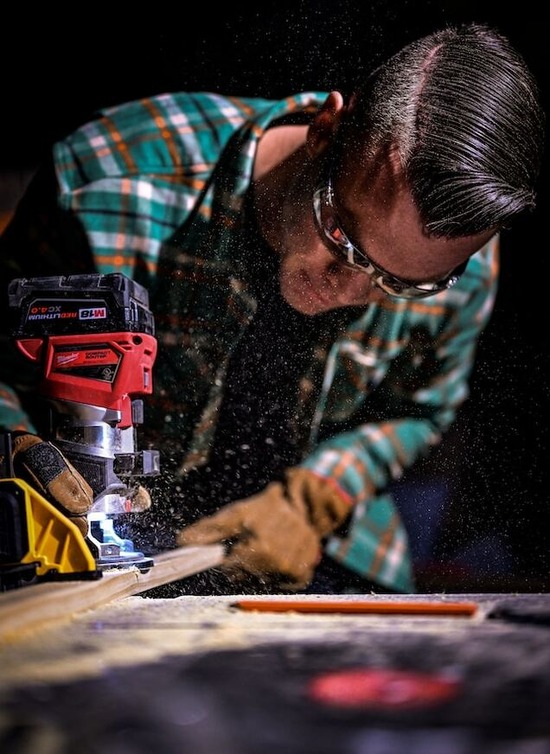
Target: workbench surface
201 675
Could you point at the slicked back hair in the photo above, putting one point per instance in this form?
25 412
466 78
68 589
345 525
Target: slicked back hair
463 111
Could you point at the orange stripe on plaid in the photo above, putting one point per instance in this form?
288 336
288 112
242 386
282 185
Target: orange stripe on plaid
120 144
116 260
346 459
384 546
388 430
165 129
419 306
241 105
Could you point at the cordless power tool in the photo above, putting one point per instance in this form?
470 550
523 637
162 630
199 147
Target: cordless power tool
92 338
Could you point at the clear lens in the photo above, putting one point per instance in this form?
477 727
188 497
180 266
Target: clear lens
341 246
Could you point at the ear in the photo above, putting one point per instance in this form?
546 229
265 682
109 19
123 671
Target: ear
394 160
324 125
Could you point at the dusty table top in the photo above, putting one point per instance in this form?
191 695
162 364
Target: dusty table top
201 674
136 629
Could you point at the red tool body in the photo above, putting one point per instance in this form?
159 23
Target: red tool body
92 339
107 370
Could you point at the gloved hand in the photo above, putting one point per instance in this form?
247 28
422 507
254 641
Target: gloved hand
47 470
275 535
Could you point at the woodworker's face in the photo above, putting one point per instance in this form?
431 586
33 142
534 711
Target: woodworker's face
376 225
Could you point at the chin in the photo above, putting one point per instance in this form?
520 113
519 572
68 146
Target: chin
302 297
307 308
306 304
310 307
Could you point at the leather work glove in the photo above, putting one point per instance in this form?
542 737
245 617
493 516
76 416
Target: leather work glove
47 470
139 499
274 535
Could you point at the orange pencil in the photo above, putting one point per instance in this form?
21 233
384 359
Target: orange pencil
386 607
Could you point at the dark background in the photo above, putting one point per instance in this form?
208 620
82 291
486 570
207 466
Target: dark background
491 472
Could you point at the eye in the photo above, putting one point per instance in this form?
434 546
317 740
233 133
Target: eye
335 267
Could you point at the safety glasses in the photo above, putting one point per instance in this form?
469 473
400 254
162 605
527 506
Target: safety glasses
339 244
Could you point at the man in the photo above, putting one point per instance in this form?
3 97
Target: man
320 270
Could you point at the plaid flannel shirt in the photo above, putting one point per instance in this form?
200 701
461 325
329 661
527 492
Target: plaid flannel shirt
158 185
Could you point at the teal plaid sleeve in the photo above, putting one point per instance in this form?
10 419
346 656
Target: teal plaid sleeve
134 175
138 173
423 383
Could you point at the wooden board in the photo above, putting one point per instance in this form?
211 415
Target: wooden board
32 607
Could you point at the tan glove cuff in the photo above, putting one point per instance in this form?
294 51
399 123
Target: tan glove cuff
324 505
47 469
